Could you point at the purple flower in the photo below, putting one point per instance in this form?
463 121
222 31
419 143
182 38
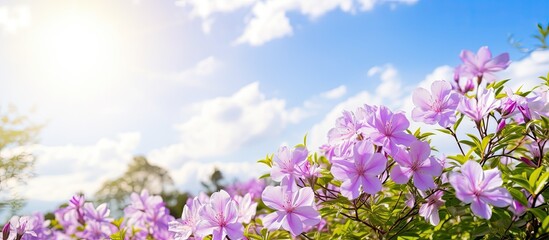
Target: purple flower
347 128
309 170
429 210
148 214
462 85
72 216
518 209
186 226
99 214
416 164
388 129
538 105
286 164
98 224
254 187
440 107
482 65
246 208
20 228
410 200
360 173
480 188
220 218
479 107
294 209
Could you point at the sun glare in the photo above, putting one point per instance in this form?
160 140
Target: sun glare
78 52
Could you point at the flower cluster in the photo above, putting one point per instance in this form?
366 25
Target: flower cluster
374 178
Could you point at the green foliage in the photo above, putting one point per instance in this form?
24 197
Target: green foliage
16 133
140 175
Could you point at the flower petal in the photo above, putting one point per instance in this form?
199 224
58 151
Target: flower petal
370 184
308 215
423 181
481 209
473 172
422 98
400 175
272 197
293 224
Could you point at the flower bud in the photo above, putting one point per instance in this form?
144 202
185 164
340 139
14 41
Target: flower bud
6 231
501 125
528 162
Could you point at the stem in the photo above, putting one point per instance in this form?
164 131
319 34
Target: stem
305 235
507 229
457 141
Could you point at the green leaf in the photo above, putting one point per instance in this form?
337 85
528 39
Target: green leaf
540 214
534 178
443 130
521 181
545 225
458 122
519 196
540 184
484 143
266 175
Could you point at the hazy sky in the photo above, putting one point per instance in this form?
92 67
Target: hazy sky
194 84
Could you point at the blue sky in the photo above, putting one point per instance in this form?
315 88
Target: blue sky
194 84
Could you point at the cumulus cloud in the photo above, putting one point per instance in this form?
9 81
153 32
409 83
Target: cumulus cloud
224 124
64 170
203 68
335 93
525 72
14 18
388 77
267 20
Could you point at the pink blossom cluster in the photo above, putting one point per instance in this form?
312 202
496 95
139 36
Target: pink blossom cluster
370 152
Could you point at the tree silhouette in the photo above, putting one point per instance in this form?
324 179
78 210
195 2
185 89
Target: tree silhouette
16 163
140 175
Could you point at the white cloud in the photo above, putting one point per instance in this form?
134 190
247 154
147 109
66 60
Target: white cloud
390 81
526 71
206 8
388 76
269 22
224 124
268 19
335 93
64 170
203 68
13 18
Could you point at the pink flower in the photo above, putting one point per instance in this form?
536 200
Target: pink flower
347 128
479 107
19 227
360 173
417 164
538 105
246 208
220 218
480 188
429 210
482 64
388 129
440 107
287 163
294 209
186 226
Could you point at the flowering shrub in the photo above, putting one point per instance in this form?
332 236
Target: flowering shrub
373 179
